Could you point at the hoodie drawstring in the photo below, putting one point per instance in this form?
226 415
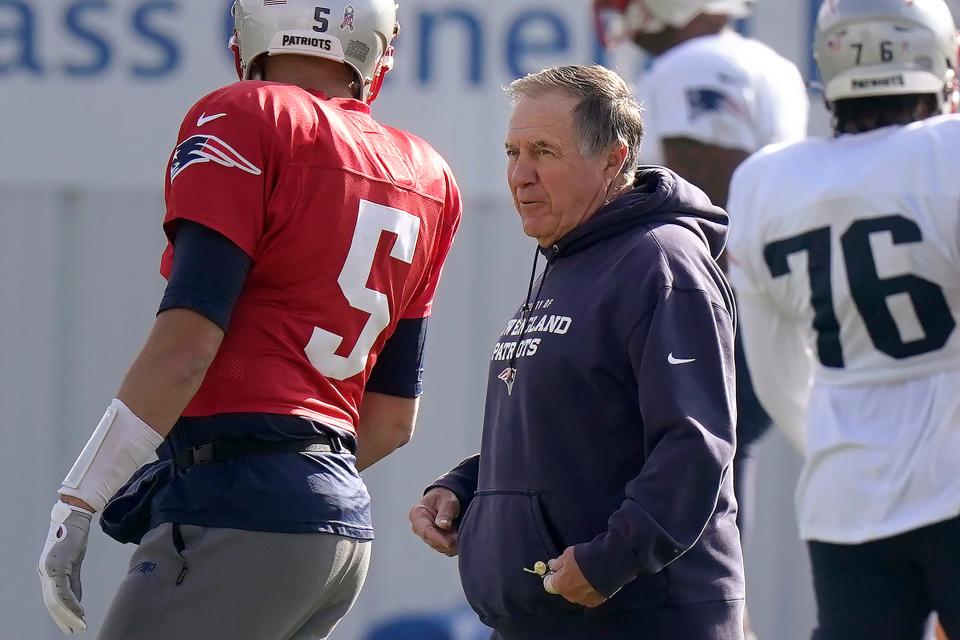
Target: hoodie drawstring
526 311
533 275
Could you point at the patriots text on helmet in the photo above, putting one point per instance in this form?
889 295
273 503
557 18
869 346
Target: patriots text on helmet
302 41
878 83
370 25
887 47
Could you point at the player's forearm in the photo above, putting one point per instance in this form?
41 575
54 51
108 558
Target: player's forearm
386 424
170 368
160 383
372 448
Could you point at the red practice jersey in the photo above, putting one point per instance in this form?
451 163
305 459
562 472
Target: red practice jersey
347 223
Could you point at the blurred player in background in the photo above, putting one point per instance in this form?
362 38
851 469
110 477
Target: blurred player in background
306 243
711 98
846 258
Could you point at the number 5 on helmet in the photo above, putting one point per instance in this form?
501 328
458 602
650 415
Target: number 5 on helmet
357 33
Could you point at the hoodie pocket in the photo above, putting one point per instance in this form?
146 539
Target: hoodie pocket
502 533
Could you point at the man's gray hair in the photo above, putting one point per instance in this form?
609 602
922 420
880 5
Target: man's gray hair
608 114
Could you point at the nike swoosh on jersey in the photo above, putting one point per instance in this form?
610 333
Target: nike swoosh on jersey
204 118
673 360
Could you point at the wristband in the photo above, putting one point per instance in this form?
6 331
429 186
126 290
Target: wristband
119 446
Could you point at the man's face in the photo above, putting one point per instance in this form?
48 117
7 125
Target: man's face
554 187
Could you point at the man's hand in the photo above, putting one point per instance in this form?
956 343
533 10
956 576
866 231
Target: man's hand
941 634
432 520
59 566
568 581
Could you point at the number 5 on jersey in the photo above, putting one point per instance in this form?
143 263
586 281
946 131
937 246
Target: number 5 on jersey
373 221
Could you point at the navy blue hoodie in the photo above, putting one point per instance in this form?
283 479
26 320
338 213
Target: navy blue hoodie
609 426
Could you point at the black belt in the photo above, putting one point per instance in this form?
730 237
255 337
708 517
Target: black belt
229 449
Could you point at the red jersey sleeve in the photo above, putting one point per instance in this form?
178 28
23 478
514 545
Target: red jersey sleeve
422 303
221 171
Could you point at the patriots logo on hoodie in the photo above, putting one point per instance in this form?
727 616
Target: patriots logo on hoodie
206 148
509 376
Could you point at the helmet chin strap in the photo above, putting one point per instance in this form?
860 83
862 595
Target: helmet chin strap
255 72
952 103
234 46
385 66
953 89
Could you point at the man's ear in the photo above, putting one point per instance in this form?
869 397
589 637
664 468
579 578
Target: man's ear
616 158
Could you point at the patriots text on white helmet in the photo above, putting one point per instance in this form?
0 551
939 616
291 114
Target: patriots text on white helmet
870 48
358 33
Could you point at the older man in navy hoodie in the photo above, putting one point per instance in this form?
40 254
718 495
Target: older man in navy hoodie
608 435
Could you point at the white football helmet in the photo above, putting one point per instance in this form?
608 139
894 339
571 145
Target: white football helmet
887 47
357 33
620 19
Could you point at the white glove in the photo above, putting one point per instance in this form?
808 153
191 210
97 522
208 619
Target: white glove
59 566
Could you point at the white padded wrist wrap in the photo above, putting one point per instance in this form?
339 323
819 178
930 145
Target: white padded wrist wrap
121 444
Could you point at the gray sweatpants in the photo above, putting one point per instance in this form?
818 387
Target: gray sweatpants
228 584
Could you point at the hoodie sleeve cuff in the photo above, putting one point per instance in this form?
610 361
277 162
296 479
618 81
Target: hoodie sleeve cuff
461 480
607 563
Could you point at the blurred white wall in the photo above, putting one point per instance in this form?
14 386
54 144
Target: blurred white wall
91 93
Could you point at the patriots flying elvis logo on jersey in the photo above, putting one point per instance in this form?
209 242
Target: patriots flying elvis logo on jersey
144 568
206 148
703 100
